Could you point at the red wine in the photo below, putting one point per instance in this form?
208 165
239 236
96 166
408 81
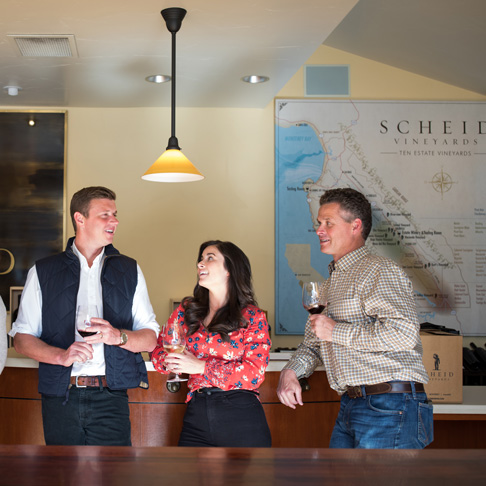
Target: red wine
86 333
316 309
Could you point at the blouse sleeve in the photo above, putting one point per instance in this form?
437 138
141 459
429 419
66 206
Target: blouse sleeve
158 354
247 372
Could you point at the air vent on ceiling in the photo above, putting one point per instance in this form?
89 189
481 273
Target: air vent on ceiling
45 45
326 80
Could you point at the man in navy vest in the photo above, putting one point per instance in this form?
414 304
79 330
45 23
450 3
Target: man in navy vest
84 381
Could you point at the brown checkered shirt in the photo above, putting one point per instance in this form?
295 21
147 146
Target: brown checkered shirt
376 338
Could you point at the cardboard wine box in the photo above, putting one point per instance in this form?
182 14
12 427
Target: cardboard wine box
443 361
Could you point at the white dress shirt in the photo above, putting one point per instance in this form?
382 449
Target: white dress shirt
29 320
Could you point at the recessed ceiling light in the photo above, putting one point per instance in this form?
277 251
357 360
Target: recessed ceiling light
12 90
158 78
254 79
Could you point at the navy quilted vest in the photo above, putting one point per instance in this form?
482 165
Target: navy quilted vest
59 282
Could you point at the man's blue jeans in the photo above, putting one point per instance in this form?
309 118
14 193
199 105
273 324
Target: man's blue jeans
385 421
91 416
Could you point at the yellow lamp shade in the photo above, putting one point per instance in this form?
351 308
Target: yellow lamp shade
172 166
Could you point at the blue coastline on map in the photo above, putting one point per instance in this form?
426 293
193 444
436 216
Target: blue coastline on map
299 156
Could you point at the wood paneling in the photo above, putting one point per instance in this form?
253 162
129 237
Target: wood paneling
156 414
21 422
459 434
307 426
156 424
19 383
20 407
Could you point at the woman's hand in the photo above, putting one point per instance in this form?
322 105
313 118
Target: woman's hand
184 362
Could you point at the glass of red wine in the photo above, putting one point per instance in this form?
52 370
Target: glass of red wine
83 319
312 298
84 314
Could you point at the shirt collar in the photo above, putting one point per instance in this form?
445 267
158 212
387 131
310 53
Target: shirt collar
82 258
348 260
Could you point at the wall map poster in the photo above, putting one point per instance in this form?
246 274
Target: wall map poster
423 167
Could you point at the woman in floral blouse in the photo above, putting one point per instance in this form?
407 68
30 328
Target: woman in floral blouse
227 353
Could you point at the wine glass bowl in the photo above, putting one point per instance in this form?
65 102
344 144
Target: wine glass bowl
84 315
312 298
174 341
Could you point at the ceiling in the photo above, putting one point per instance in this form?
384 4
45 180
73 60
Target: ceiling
118 43
441 39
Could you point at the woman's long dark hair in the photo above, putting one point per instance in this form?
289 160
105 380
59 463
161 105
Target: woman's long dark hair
240 294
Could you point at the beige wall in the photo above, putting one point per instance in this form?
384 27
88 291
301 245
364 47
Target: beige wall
162 225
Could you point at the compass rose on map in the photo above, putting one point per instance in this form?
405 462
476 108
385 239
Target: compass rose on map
442 182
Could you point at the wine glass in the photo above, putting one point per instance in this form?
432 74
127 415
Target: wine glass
174 341
84 314
83 319
312 299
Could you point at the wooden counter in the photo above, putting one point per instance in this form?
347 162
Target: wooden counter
156 414
89 465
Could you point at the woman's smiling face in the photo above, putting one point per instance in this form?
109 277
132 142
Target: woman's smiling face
211 269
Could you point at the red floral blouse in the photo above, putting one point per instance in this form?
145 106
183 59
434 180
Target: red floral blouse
237 364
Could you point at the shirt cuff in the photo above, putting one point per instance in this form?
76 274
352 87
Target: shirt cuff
297 367
340 334
22 329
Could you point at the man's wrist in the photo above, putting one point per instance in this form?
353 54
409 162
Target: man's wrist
123 338
290 372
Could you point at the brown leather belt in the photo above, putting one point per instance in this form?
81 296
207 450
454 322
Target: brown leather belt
388 387
84 381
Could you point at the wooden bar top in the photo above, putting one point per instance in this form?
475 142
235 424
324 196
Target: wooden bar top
89 465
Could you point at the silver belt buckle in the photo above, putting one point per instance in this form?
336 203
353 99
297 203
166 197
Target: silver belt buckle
76 382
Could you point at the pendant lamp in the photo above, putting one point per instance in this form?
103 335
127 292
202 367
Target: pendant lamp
173 165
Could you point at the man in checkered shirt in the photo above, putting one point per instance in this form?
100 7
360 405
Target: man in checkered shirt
368 338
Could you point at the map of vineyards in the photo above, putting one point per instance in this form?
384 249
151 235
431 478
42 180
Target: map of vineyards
422 165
